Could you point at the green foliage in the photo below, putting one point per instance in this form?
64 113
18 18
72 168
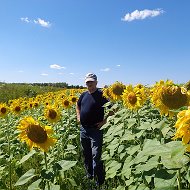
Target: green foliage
139 152
10 91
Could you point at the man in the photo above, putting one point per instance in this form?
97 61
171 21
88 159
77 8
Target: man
90 114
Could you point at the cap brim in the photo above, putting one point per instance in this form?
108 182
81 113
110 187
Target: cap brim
90 80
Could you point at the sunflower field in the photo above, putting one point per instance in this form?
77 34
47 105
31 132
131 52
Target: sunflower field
146 140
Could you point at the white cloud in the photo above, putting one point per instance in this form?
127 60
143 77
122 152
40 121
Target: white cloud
55 66
25 19
118 65
71 73
106 69
140 15
39 21
42 23
20 71
44 74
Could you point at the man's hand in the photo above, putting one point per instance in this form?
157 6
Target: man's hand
78 120
100 124
78 114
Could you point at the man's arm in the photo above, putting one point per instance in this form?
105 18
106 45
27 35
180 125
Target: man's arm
78 113
100 124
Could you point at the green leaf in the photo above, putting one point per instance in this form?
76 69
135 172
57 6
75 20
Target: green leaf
132 150
146 167
72 137
120 188
121 155
159 125
129 182
131 122
164 174
70 147
2 168
153 147
52 187
72 182
165 184
66 164
106 156
140 158
142 187
126 170
120 148
35 185
26 157
113 167
132 187
114 144
127 136
174 163
175 159
26 177
145 126
139 134
113 131
165 131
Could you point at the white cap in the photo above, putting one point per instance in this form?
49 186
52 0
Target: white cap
90 77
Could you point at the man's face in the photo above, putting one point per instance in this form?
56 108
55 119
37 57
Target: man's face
91 85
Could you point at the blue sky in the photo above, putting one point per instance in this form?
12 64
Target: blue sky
131 41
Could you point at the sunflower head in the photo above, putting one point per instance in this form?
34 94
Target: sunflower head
66 103
107 93
187 85
16 108
3 110
116 90
73 99
35 135
52 113
36 104
134 97
183 128
167 96
139 86
173 97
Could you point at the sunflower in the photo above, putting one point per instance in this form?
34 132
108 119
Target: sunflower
47 102
134 97
35 135
62 94
107 94
187 85
52 113
183 128
73 99
66 103
36 104
116 90
16 107
3 110
167 96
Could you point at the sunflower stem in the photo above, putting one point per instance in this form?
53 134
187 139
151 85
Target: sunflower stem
8 132
10 164
138 118
45 157
179 179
